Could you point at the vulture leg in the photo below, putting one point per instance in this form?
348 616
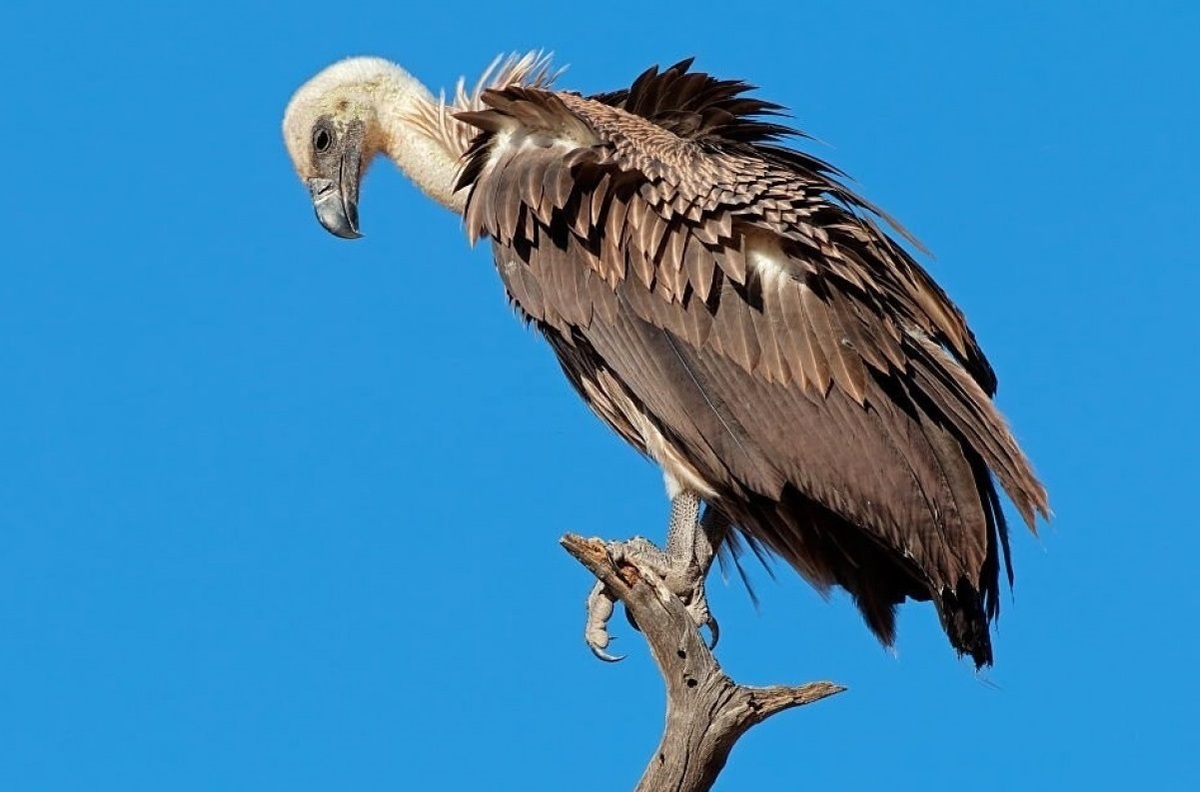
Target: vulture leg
692 543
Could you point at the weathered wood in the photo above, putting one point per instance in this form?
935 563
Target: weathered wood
706 710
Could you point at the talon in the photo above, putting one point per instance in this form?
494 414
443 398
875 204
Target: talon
681 569
603 655
714 631
599 608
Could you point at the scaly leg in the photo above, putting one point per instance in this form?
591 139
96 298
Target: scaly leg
692 543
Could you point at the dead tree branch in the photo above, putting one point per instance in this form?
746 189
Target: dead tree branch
706 710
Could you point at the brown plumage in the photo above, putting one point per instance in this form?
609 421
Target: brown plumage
734 311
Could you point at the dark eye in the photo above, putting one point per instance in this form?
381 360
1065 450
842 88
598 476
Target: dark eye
322 140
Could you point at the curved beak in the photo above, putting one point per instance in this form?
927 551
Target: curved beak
336 203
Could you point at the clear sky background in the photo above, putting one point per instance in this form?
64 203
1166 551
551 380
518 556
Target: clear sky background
280 511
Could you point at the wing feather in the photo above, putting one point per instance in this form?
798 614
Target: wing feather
727 305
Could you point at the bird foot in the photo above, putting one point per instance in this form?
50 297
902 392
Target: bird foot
682 576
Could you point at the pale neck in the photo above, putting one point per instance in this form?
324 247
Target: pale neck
426 160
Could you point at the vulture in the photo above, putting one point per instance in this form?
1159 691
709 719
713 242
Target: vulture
728 306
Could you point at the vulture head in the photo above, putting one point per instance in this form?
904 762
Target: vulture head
332 131
340 119
349 112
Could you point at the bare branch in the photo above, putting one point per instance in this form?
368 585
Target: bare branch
706 710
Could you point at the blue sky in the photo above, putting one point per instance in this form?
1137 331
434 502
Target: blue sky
279 511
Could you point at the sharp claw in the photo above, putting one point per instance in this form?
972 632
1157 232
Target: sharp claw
687 583
714 630
603 655
600 608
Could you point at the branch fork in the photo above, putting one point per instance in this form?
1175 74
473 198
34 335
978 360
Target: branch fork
706 710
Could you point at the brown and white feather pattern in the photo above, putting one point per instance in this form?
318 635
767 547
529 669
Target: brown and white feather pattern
733 310
437 121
